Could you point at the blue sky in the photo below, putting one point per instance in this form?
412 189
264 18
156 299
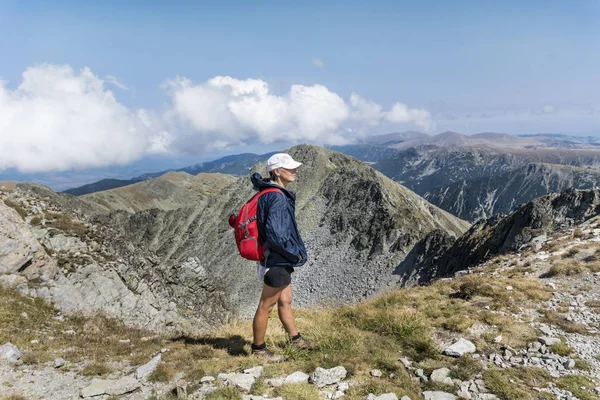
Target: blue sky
466 66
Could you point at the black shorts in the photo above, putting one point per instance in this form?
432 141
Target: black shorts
277 277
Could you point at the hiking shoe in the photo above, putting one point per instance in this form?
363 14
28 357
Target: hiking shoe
268 355
304 344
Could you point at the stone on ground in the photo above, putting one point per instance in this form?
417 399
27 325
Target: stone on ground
438 396
10 352
323 377
459 348
439 375
296 377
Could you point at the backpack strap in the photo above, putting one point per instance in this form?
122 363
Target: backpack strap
265 191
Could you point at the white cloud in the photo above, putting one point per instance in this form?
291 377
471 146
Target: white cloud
400 113
232 111
317 62
113 81
549 109
57 119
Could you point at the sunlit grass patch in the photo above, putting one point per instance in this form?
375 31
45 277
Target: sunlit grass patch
298 391
566 269
516 383
580 385
561 321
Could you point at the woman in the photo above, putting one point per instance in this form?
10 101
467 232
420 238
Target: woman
284 250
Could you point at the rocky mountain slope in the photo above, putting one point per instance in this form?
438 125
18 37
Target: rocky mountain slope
170 191
179 268
521 326
529 225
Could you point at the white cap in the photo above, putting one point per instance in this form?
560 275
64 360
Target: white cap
282 160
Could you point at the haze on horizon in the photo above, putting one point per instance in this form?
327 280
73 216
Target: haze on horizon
98 89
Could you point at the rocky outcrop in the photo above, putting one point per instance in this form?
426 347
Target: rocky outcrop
435 257
20 252
87 286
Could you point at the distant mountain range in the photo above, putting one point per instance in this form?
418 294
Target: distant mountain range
471 177
237 164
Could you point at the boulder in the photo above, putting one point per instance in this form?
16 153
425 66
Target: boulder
459 348
242 382
439 375
10 352
96 388
147 369
58 362
124 385
255 372
297 377
323 377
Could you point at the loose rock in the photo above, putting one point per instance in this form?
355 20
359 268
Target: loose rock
459 348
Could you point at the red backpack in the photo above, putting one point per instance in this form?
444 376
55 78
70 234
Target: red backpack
246 228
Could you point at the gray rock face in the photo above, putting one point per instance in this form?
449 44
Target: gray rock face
10 352
460 348
147 369
440 375
323 377
429 395
59 362
124 385
502 233
20 252
297 377
111 387
243 382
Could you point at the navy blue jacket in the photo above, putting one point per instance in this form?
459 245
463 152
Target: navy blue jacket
277 226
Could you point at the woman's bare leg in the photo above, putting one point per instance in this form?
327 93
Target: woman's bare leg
268 299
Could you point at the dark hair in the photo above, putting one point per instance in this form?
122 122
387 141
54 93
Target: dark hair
272 175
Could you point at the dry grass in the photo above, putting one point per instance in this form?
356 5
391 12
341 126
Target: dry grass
299 391
96 369
561 348
560 320
580 385
163 373
566 269
94 339
517 383
65 223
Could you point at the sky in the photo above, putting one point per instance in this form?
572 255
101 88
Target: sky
107 88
